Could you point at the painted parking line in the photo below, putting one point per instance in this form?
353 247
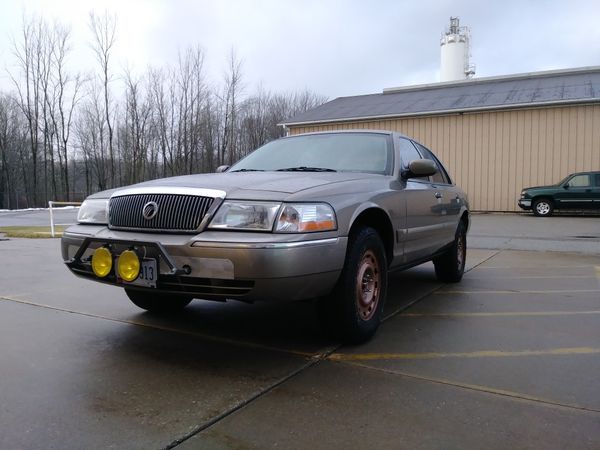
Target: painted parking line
517 291
433 290
517 396
208 337
476 354
517 268
533 277
505 314
13 296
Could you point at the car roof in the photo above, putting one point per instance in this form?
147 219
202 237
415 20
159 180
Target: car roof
355 130
585 173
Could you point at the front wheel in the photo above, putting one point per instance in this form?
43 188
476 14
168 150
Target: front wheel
543 208
352 312
450 266
158 303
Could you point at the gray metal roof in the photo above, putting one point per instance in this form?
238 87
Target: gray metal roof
506 92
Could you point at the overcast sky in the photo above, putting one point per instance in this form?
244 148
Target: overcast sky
332 47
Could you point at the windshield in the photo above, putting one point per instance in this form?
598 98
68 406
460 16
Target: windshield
335 152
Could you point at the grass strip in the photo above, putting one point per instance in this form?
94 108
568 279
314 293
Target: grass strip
31 232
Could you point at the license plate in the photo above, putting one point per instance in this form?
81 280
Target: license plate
148 274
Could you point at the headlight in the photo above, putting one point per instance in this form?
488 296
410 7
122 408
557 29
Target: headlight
94 211
305 218
234 215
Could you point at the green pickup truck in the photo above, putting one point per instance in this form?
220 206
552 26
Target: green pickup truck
577 191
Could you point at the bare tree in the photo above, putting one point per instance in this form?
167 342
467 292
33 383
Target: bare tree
14 149
67 89
163 118
5 126
90 131
261 113
63 133
210 133
136 130
104 31
229 110
179 97
47 95
27 53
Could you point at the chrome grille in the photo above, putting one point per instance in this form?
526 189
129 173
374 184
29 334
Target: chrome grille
178 213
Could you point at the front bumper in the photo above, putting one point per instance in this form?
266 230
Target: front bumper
525 203
220 265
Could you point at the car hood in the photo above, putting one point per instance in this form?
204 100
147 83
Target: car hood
251 185
550 186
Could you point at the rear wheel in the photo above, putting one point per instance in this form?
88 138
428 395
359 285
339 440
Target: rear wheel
543 207
450 266
158 303
352 312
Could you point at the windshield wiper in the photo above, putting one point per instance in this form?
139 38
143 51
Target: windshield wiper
306 169
248 170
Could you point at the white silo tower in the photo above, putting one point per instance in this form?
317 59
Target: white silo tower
456 49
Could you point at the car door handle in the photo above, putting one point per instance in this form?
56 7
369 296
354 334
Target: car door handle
438 195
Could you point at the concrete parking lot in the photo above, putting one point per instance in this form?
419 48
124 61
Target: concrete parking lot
509 357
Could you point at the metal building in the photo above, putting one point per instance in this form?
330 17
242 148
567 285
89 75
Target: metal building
496 135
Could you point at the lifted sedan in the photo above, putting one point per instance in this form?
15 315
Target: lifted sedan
322 215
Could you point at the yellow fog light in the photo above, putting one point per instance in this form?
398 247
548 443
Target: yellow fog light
102 262
129 265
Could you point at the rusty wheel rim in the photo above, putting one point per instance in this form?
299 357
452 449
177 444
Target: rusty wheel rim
368 285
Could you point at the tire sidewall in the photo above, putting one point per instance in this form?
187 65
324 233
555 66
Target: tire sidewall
461 234
448 269
353 327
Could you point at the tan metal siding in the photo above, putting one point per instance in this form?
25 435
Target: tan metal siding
493 155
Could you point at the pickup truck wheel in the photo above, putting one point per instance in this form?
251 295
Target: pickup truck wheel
352 312
543 207
450 266
157 303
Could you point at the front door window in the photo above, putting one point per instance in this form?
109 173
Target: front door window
579 181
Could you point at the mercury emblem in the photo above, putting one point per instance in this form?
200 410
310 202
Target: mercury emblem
150 210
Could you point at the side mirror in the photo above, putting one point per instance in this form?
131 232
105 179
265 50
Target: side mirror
420 168
566 186
222 169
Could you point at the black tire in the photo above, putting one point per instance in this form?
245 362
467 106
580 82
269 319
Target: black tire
450 266
542 207
158 303
352 312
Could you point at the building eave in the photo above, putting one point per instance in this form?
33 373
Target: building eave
486 80
527 105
